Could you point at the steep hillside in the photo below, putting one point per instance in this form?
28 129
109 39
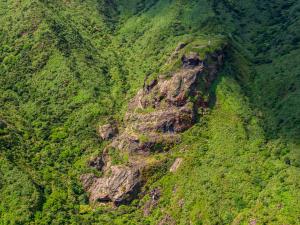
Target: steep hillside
272 40
54 87
69 67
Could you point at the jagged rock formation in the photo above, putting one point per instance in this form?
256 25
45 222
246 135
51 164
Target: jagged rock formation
156 116
108 131
118 188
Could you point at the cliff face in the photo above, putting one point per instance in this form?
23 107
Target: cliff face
156 116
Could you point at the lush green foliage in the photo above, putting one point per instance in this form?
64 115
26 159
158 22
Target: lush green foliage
67 66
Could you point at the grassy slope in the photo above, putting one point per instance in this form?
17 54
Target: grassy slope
77 66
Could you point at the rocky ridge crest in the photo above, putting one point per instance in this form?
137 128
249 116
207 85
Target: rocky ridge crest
156 116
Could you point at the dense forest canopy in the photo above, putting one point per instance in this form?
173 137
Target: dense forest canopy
67 67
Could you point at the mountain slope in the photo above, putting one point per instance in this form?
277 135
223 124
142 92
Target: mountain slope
69 66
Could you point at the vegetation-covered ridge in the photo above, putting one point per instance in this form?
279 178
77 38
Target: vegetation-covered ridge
67 67
161 110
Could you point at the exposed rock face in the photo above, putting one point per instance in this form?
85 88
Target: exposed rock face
108 131
176 165
156 116
119 187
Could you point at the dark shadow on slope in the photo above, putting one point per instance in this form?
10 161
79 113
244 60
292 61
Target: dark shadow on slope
265 61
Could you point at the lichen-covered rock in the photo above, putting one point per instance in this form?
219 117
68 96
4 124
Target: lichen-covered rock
176 165
119 187
143 144
108 131
156 116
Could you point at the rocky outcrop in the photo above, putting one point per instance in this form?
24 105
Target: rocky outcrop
108 131
119 187
176 165
156 116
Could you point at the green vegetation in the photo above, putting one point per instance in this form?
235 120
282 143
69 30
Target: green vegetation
116 157
66 66
233 181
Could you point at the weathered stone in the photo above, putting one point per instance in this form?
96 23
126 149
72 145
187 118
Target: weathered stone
108 131
119 187
96 162
156 116
87 180
134 144
176 165
173 120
